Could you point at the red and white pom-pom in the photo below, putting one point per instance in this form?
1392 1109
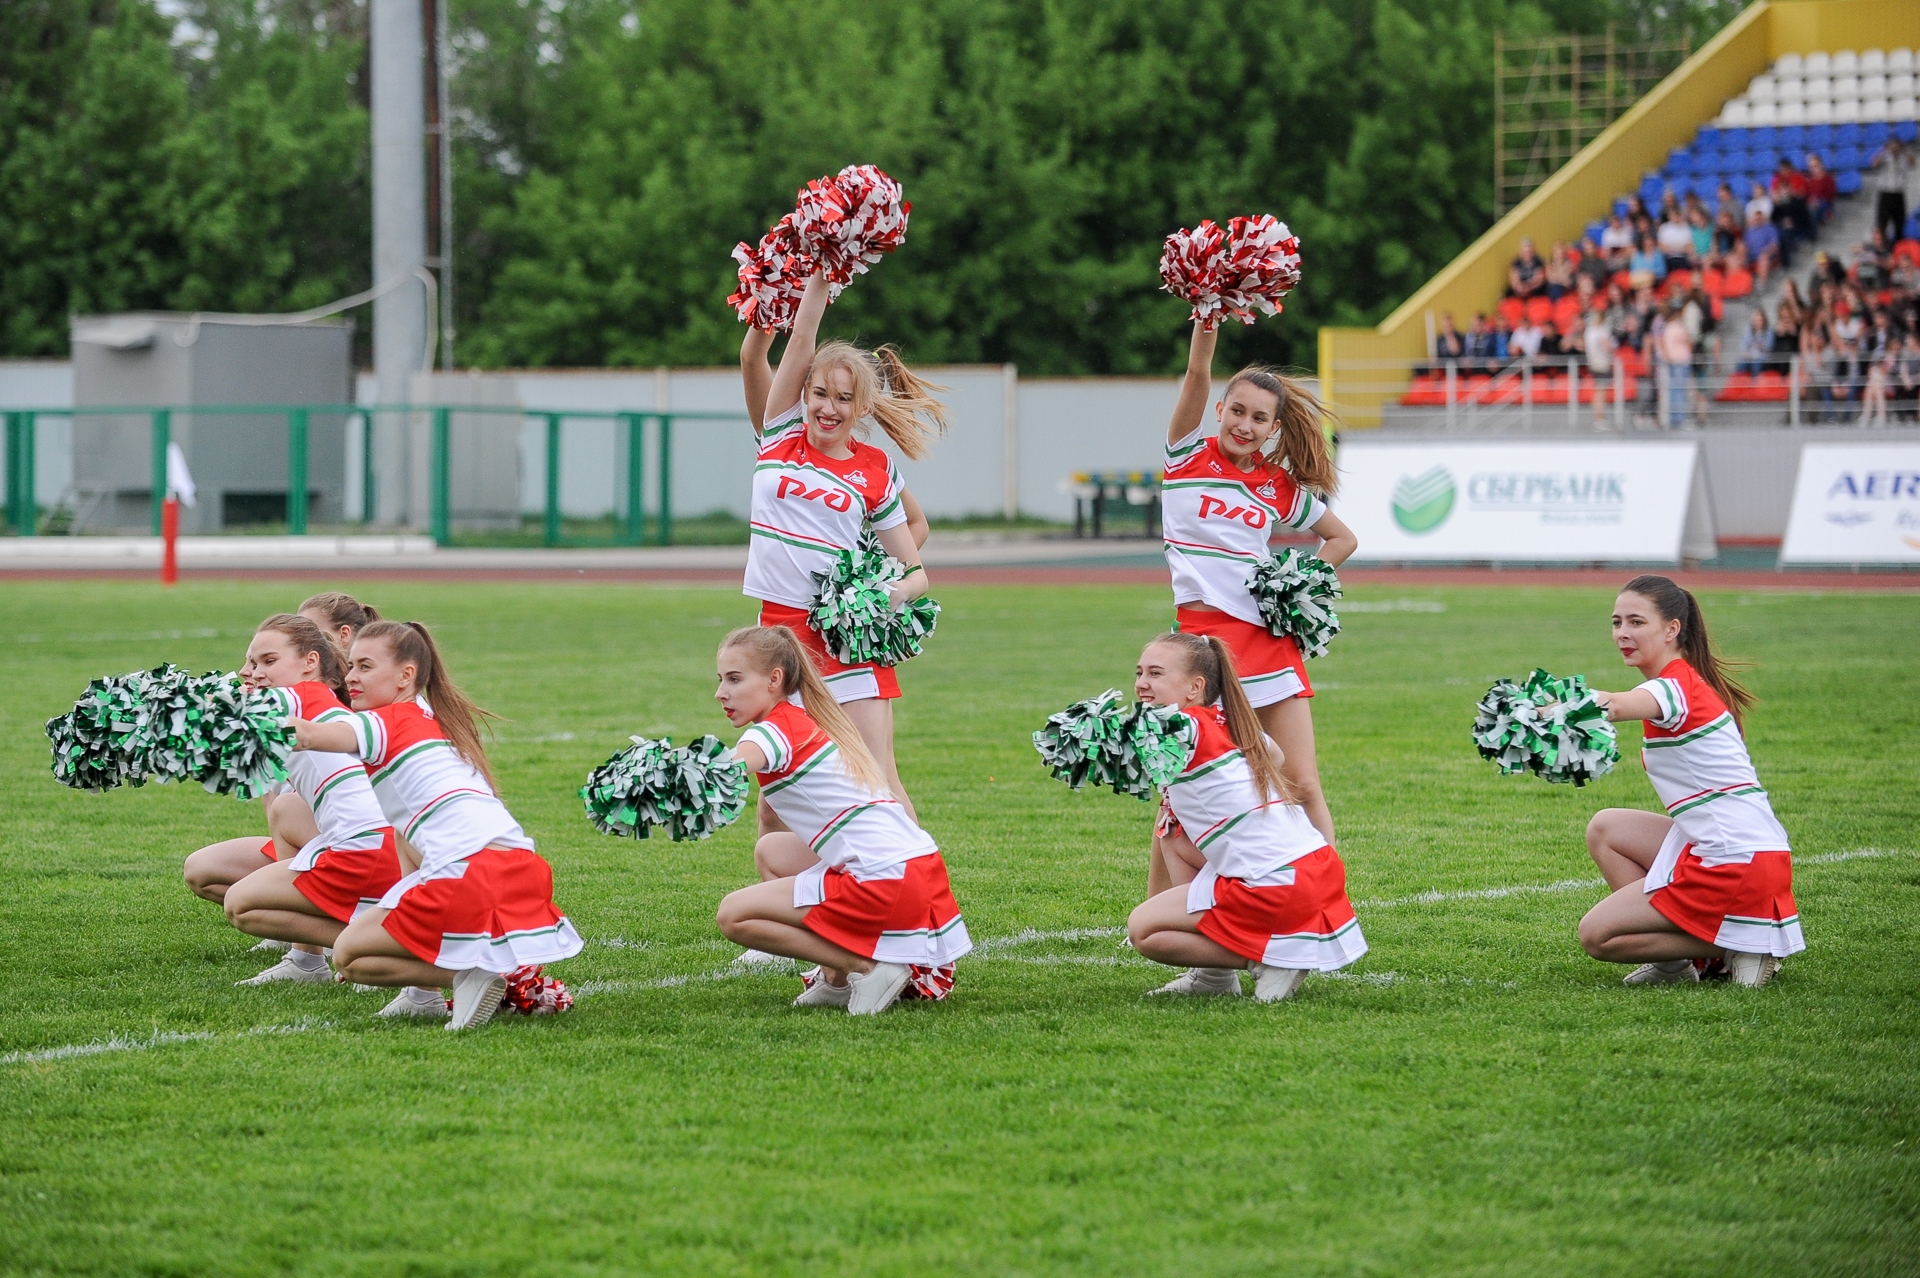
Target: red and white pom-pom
773 275
531 992
850 220
1260 266
1190 269
930 983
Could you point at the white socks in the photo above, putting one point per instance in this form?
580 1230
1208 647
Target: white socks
306 962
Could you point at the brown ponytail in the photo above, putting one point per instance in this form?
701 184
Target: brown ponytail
341 611
1209 658
1301 442
770 648
1676 603
889 392
458 717
306 638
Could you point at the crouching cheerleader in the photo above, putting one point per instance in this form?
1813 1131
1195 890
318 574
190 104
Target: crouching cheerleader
867 896
1706 889
1255 885
480 903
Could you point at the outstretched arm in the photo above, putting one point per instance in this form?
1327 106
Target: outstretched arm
900 544
750 754
1637 704
1198 385
1336 539
790 383
328 738
756 374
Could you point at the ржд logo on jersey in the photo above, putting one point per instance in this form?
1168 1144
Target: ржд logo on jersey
833 498
1251 516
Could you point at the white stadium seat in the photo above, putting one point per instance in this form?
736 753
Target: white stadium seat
1900 60
1790 113
1789 64
1818 64
1846 111
1846 62
1790 89
1820 112
1819 89
1873 86
1873 60
1899 85
1736 114
1870 109
1898 109
1762 89
1845 86
1765 113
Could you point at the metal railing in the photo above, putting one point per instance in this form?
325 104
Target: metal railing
22 430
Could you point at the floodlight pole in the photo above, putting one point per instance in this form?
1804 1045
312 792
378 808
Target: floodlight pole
399 239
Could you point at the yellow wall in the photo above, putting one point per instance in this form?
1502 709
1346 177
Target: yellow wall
1610 165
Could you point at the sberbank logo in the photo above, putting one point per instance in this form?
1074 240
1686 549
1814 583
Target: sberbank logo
1421 503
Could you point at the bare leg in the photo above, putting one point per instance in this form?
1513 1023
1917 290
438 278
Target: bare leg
1624 842
1158 878
1624 928
266 903
367 954
1161 929
292 824
212 870
763 917
770 822
782 856
1290 724
874 718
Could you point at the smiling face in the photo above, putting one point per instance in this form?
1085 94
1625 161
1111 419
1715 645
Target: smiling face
1647 641
376 678
1248 417
831 408
745 694
272 662
1162 678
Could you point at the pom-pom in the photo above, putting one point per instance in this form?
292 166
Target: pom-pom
1155 742
855 615
773 274
1190 269
1295 591
167 725
1554 728
932 984
691 790
1239 272
1131 750
849 221
101 744
239 742
531 992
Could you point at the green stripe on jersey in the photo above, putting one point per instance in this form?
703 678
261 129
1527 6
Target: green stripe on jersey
1210 766
825 547
412 751
1665 743
826 836
805 768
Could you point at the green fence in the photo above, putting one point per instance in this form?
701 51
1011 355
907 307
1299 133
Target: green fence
22 425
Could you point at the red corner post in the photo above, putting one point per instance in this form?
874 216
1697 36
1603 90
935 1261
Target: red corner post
169 537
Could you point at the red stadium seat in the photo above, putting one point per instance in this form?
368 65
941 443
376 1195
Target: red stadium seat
1539 310
1904 251
1512 310
1738 284
1427 390
1682 280
1713 281
1623 278
1566 313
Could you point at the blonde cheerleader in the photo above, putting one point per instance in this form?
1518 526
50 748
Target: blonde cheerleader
480 903
873 903
1708 886
1224 495
1254 884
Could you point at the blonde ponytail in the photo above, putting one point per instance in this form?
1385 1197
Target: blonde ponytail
887 391
1212 660
1301 442
770 648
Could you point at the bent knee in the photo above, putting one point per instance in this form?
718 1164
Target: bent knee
1595 938
731 914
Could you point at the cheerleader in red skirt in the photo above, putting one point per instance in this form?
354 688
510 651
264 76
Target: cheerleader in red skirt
873 907
480 903
1255 885
1264 468
1707 889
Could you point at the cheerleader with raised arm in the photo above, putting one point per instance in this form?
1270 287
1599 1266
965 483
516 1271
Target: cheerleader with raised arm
1708 886
866 894
480 903
1252 884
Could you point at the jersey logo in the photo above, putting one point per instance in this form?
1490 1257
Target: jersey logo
1216 468
1251 516
833 498
1266 490
857 477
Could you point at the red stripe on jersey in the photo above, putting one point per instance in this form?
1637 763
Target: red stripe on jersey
868 470
806 738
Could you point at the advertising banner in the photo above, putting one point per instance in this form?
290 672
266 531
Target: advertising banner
1855 504
1525 501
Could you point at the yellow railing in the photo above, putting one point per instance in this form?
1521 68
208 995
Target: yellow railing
1610 165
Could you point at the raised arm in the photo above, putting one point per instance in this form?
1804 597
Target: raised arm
916 518
328 738
1198 385
900 544
756 374
1336 539
790 382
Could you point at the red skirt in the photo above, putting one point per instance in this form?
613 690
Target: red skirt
1308 923
912 920
343 882
1271 668
1745 906
848 683
493 910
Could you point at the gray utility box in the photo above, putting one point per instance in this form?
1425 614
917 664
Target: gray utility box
238 460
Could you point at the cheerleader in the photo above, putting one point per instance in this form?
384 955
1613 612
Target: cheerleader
1223 497
480 903
1707 888
340 615
872 902
1253 883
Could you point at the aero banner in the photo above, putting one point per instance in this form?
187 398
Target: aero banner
1525 501
1855 504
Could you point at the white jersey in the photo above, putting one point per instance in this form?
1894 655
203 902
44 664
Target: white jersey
1217 519
808 507
1241 835
1700 768
439 802
848 826
334 785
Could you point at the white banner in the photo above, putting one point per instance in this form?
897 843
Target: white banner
1855 504
1525 501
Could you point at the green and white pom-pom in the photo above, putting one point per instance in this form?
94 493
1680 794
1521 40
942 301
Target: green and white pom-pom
1551 727
1129 749
691 790
167 725
855 616
102 743
1295 591
240 742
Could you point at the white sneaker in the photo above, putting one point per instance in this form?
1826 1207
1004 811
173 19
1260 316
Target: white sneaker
1672 972
760 958
268 943
820 994
1751 970
876 991
415 1001
476 995
288 970
1275 984
1203 980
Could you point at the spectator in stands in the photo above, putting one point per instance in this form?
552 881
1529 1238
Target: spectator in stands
1647 267
1526 341
1617 237
1738 279
1825 271
1559 273
1821 191
1618 309
1527 276
1758 199
1725 234
1631 335
1879 385
1872 265
1786 337
1676 355
1816 372
1675 239
1878 343
1763 245
1789 193
1596 343
1593 264
1702 229
1893 168
1728 205
1449 345
1906 388
1484 353
1756 345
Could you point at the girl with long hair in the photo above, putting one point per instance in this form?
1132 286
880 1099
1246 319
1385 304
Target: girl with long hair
1712 879
865 893
1245 880
480 903
1266 466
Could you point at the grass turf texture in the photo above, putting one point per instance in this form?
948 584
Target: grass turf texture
1478 1098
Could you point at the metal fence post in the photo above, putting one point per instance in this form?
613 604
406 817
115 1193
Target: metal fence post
366 466
1573 392
13 469
439 516
1453 395
1793 391
552 535
1619 391
636 471
297 471
162 436
666 479
1526 390
29 519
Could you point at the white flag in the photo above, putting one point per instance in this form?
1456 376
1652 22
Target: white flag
179 478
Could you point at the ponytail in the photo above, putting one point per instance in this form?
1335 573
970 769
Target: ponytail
1676 603
309 638
341 611
457 716
1301 442
770 648
887 391
1211 659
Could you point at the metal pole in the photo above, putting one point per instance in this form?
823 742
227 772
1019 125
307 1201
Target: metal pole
1573 393
636 470
1453 394
1619 391
553 479
162 436
366 466
13 468
1793 391
297 471
1526 390
441 519
666 479
399 227
29 468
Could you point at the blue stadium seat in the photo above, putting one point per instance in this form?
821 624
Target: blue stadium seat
1594 230
1620 205
1848 134
1847 182
1708 138
1906 130
1910 231
1819 135
1793 136
1765 138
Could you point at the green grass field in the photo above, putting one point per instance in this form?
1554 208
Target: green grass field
1475 1096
